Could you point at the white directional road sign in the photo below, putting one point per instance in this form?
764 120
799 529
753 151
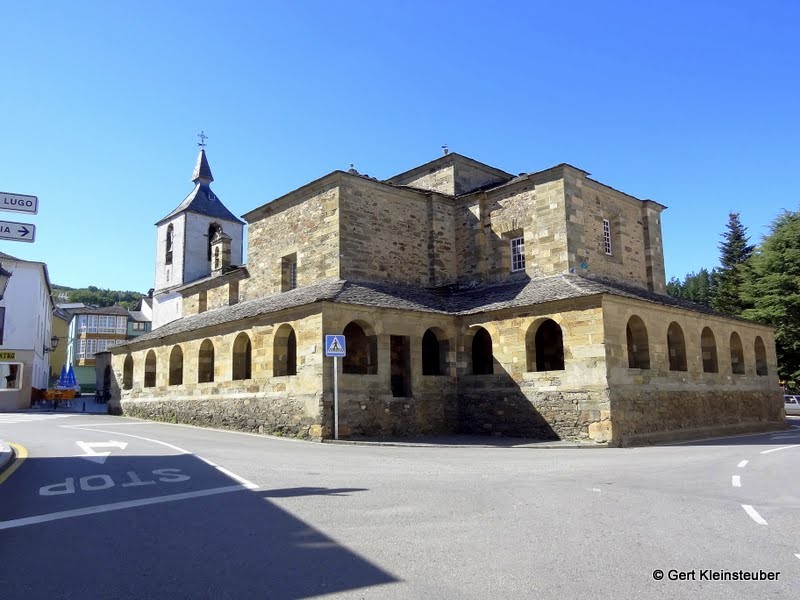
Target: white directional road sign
18 232
19 203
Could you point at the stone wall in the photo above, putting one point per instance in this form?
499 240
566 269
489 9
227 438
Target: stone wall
636 255
305 223
519 400
657 404
366 404
276 404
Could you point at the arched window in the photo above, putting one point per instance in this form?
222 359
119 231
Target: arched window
242 357
284 352
676 346
168 249
761 357
127 373
205 362
362 350
549 345
434 352
737 354
482 358
176 366
213 229
708 346
150 370
638 347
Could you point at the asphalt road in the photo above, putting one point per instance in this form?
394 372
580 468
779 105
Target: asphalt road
108 507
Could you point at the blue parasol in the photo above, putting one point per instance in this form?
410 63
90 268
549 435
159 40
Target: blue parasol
62 379
71 377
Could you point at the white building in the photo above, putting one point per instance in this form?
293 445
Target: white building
183 243
26 309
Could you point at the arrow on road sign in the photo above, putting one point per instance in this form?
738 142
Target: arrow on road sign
18 232
98 457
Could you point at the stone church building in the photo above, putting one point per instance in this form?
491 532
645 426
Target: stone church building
471 300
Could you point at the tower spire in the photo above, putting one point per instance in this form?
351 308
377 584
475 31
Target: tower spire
202 172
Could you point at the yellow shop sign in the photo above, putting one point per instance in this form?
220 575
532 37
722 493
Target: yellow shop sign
7 355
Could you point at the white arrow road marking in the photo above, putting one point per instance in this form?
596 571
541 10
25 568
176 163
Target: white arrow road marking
98 457
743 464
754 514
797 555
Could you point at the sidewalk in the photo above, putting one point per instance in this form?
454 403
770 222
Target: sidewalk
86 403
6 454
465 441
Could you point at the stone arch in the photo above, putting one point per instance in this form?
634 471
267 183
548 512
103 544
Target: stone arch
435 349
284 352
205 362
362 349
676 348
242 357
544 345
737 354
127 373
761 356
482 355
176 366
708 348
637 342
150 369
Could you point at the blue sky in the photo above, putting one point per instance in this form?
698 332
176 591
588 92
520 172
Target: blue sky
694 105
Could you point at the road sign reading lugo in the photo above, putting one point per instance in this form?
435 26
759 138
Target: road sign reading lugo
19 203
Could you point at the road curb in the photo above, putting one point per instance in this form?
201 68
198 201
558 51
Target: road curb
443 445
6 455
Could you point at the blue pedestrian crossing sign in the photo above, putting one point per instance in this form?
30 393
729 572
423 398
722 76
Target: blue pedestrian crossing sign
335 346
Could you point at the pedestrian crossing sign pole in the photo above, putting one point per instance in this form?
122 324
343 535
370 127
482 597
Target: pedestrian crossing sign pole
335 346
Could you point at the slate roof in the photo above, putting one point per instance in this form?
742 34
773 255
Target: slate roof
487 298
107 310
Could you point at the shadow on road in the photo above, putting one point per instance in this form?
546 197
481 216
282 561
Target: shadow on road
164 527
788 436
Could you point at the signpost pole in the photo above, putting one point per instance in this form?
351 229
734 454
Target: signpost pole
335 398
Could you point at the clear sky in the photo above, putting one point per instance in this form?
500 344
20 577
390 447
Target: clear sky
691 104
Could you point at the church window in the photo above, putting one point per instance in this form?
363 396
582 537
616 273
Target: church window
676 347
362 350
150 370
737 355
638 347
708 348
205 362
434 352
289 272
284 352
547 353
176 366
607 236
212 231
242 357
518 254
482 358
168 255
127 373
761 357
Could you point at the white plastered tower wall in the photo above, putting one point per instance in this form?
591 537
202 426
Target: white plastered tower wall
186 258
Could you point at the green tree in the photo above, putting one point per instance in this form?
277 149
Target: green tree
728 279
772 288
695 287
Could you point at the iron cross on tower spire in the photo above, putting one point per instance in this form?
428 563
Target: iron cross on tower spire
203 137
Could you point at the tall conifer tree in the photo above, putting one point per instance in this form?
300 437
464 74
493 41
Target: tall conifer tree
727 281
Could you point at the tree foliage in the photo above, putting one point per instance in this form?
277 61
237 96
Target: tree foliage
695 287
772 289
94 296
727 280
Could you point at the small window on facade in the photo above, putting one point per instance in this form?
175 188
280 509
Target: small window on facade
205 362
676 348
549 343
289 272
216 258
11 374
434 352
518 254
284 352
708 348
482 357
242 357
168 256
150 370
607 236
362 350
638 346
761 357
176 366
737 354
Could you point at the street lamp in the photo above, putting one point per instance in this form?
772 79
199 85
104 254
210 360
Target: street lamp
53 344
4 275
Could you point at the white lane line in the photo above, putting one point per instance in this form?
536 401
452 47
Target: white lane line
736 481
797 555
783 436
103 508
248 484
743 464
754 514
781 448
112 424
